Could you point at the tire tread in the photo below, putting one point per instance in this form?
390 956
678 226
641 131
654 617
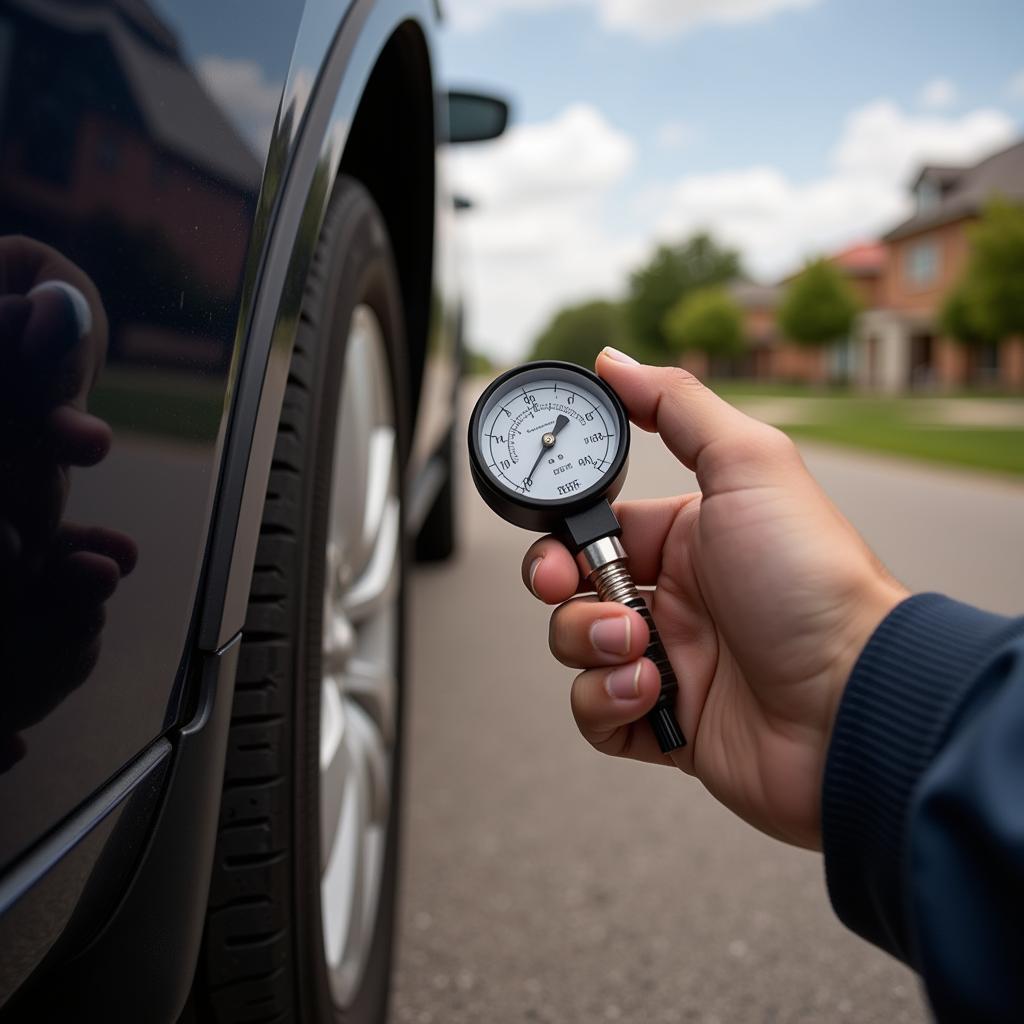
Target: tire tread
247 975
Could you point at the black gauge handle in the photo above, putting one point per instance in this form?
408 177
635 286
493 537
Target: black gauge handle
593 537
663 715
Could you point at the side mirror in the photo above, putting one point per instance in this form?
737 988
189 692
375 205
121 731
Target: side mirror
473 117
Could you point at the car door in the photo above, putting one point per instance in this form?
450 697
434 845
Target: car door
134 139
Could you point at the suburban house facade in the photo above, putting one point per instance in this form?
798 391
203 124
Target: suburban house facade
771 355
898 343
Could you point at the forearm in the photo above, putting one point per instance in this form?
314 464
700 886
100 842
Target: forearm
921 782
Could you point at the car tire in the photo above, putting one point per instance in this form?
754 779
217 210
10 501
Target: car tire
300 920
436 539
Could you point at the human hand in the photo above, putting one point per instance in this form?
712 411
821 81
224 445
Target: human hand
55 576
53 339
764 598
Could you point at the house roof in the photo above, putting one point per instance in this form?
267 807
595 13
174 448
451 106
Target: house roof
865 259
182 116
750 295
967 191
178 111
943 175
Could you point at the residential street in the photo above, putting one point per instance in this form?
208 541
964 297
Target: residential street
544 882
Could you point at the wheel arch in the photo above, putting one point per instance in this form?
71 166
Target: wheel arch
396 166
379 50
146 950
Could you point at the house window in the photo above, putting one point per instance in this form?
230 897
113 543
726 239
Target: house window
927 196
923 263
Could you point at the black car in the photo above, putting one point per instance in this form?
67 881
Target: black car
229 346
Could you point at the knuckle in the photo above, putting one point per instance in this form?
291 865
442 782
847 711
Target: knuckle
581 702
678 380
562 632
760 444
576 700
776 443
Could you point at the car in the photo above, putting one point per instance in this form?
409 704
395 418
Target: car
230 337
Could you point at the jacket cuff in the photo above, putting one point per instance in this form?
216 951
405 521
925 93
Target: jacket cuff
904 693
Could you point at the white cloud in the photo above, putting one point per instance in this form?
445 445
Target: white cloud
938 94
470 15
881 141
653 18
649 19
675 135
776 222
1015 86
547 227
537 238
572 156
248 98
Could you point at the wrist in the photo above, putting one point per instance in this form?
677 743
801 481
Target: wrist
872 605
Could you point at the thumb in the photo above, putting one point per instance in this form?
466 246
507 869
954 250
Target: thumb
727 449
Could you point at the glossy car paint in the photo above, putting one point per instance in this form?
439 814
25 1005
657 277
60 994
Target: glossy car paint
181 154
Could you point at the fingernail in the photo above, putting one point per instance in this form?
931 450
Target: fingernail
79 304
622 684
612 636
534 566
619 357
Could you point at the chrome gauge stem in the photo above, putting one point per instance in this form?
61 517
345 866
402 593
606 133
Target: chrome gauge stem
603 564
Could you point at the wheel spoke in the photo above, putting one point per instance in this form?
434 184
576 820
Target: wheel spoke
335 764
372 687
371 751
359 656
379 486
351 865
379 579
349 483
342 876
339 642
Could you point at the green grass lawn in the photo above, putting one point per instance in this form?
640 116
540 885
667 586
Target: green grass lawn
182 407
907 426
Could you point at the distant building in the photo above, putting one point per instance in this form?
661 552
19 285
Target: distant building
898 343
142 165
772 356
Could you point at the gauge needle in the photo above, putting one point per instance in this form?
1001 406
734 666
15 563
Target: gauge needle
546 442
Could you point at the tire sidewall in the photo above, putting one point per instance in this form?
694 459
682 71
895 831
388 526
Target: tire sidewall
356 269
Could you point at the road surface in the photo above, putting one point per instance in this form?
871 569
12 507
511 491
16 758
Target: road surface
544 882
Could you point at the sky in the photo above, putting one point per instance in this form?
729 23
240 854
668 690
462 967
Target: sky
788 128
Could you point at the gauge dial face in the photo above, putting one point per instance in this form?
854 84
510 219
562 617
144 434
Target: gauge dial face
549 434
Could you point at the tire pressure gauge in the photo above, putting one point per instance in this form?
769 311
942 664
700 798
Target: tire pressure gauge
548 450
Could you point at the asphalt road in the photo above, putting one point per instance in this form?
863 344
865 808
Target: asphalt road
544 882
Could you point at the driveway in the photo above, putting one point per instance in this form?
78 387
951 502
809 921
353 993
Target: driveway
544 882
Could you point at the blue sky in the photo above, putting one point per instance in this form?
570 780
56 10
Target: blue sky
789 128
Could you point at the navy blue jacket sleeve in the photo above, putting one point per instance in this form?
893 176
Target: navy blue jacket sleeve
923 803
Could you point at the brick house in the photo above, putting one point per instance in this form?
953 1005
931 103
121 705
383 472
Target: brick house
771 355
140 166
898 343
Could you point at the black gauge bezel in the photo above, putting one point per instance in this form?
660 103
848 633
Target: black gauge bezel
533 513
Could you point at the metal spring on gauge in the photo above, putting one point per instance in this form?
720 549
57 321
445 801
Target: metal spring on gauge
614 583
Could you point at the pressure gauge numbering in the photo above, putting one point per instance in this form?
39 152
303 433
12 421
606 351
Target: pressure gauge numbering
548 450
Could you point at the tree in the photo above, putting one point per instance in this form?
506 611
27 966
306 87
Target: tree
478 363
819 305
672 273
578 333
707 320
957 318
988 302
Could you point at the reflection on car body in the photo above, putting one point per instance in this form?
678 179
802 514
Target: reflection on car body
173 178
